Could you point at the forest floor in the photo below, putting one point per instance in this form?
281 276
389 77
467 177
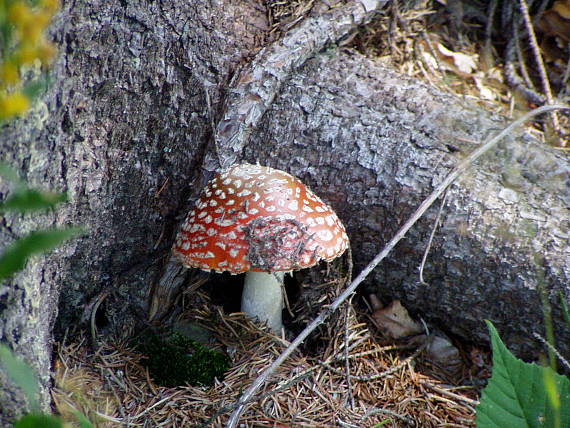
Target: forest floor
359 369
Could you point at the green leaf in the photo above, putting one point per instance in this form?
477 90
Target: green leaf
15 256
516 395
38 420
21 374
27 200
10 174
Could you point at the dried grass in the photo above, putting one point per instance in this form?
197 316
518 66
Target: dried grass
464 48
348 379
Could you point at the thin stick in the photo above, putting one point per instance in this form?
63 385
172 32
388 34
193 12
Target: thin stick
428 246
552 349
539 63
466 163
346 362
456 397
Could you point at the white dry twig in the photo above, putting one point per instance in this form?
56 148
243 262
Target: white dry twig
431 236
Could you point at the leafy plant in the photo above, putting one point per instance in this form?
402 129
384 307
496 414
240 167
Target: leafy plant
520 394
23 376
23 200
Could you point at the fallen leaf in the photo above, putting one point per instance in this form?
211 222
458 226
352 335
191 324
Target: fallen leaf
395 322
464 63
484 91
440 352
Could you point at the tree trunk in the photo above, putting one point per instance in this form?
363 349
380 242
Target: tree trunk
149 98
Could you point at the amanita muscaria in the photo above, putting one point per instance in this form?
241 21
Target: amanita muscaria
262 221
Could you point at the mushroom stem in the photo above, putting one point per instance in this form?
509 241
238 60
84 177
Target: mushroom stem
262 297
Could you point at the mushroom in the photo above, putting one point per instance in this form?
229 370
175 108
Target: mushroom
263 221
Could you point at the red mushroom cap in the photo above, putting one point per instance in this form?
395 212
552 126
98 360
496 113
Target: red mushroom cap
251 217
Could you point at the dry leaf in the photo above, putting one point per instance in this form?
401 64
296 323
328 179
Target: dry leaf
562 7
485 92
394 321
440 352
463 63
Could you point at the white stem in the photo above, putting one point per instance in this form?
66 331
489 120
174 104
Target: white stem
262 297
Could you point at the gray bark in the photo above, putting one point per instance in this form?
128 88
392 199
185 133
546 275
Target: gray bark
374 144
125 129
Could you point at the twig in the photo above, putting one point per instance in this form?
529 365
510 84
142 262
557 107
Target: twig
521 84
343 424
522 63
539 63
346 363
376 410
514 80
435 226
253 90
465 164
553 349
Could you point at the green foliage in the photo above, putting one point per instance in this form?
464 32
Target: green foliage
24 200
21 374
520 394
23 377
28 200
176 360
15 256
37 420
83 421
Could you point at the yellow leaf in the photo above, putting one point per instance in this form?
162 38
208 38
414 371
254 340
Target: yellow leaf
19 14
8 74
13 105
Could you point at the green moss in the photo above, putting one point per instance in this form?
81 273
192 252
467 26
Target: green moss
173 359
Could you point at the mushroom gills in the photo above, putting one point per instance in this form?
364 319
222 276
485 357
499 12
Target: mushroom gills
262 298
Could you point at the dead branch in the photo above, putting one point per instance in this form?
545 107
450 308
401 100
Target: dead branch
254 88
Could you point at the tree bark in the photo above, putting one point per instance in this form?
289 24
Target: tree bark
149 98
374 144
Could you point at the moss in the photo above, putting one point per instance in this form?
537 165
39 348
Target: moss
173 359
